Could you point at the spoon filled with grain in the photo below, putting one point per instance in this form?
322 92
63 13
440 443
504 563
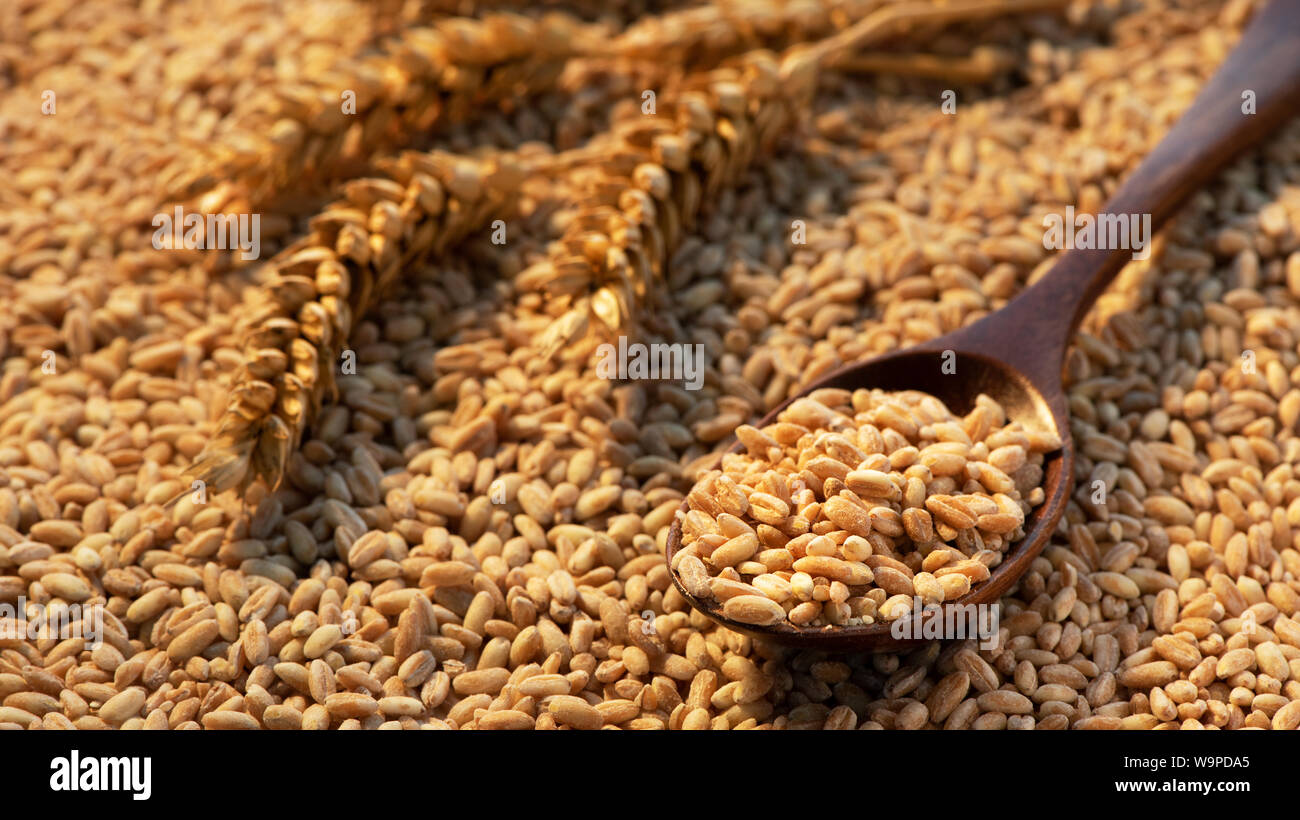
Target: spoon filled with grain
896 500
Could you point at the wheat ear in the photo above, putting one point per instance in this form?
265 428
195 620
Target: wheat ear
423 78
611 260
303 314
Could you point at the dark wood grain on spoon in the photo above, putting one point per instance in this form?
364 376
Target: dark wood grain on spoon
1015 355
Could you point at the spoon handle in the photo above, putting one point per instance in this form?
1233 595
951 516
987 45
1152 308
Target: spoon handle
1033 330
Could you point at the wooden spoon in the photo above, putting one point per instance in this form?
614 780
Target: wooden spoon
1016 354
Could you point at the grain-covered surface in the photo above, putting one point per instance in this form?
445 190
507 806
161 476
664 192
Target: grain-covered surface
468 530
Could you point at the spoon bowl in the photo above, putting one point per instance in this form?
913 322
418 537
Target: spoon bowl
1015 354
955 378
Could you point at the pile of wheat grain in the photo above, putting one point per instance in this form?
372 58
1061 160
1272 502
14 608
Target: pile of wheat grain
854 503
467 528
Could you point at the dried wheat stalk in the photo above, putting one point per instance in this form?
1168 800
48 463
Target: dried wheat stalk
587 9
611 260
982 65
725 27
426 76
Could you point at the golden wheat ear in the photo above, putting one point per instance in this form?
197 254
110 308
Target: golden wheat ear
423 79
